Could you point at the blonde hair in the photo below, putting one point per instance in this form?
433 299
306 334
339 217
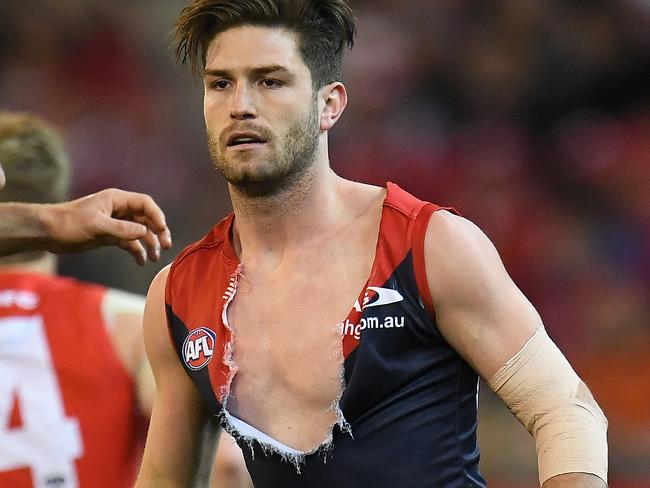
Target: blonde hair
34 159
36 167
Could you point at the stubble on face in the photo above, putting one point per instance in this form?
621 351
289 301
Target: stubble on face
287 160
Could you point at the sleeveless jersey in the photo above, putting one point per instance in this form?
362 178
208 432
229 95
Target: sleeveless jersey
67 405
409 400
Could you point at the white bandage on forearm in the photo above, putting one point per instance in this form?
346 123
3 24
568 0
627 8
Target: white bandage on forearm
541 389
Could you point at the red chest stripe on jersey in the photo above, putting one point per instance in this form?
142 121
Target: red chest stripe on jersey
399 212
195 296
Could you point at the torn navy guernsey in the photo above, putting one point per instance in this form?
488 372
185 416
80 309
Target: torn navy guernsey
407 415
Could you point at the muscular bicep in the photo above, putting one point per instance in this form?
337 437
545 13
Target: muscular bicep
172 450
494 327
479 310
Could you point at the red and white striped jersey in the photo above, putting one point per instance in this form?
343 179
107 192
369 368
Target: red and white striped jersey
67 404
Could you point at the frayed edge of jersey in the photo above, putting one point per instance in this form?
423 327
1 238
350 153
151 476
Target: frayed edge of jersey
296 459
229 296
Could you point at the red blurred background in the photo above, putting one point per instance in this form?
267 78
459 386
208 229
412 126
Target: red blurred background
532 118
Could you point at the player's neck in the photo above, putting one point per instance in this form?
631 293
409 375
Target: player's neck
45 265
312 207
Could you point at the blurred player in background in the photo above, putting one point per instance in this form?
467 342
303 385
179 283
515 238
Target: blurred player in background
75 383
109 217
229 470
75 388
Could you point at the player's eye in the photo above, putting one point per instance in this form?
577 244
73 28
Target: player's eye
270 83
219 84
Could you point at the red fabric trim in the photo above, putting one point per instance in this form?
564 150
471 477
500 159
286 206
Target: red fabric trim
420 227
417 246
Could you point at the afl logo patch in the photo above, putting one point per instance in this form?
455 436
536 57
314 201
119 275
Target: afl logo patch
198 348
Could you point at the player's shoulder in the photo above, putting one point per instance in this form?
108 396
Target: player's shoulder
159 281
213 240
49 294
71 287
460 259
455 240
447 225
68 297
402 201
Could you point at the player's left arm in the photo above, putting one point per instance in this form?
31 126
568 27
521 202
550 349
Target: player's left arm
123 313
488 321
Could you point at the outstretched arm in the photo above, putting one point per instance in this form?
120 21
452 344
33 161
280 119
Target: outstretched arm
131 221
488 321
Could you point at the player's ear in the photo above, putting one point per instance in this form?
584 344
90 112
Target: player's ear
332 100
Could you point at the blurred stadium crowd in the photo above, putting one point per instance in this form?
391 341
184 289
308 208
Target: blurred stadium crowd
531 117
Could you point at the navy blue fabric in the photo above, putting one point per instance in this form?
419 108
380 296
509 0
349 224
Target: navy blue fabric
410 400
201 378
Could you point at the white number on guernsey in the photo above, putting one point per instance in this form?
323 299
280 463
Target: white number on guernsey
46 441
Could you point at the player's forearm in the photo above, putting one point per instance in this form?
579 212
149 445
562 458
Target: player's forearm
156 480
178 466
546 395
575 480
23 227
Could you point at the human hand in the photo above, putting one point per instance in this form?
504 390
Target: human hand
131 221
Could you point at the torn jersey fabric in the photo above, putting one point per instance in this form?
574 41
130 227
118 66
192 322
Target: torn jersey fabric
409 404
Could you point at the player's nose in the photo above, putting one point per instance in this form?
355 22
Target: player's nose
243 103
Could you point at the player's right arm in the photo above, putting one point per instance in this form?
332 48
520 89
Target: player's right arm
179 415
132 221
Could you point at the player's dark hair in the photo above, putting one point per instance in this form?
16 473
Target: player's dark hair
324 28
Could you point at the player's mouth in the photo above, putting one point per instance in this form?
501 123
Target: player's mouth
245 141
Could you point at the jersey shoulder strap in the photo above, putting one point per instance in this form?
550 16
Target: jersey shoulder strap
418 212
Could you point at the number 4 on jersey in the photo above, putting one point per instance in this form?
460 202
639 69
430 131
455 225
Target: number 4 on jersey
46 441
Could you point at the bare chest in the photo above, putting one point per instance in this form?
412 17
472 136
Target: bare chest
287 346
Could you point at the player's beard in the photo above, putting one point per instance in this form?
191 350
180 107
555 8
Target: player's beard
289 158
